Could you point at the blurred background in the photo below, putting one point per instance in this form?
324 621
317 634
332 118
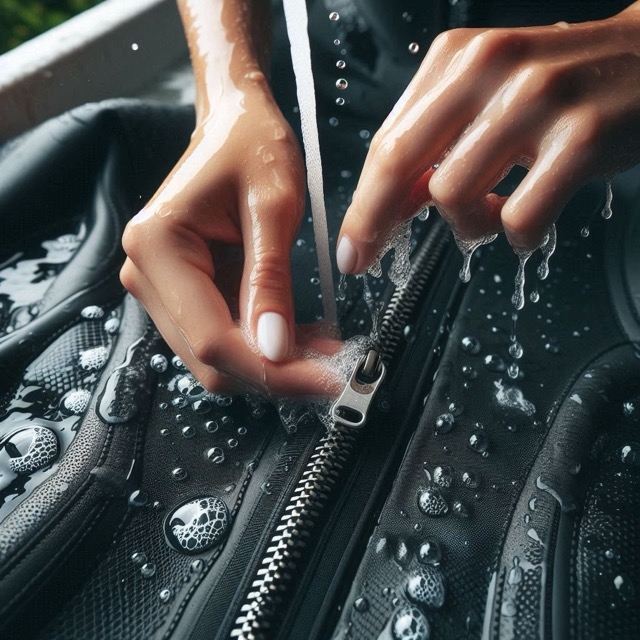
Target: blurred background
21 20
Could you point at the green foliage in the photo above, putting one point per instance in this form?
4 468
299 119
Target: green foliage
24 19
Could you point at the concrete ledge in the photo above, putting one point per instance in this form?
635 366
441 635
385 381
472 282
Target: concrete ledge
115 49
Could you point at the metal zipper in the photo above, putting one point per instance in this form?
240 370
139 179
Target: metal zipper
331 455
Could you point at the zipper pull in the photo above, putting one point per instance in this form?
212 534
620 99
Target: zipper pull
351 408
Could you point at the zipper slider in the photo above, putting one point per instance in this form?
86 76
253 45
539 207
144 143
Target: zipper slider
351 408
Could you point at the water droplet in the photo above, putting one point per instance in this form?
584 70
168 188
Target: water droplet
443 476
364 134
201 407
515 573
547 249
148 570
179 474
424 214
188 431
94 359
431 502
534 296
215 455
138 498
470 345
444 423
584 232
178 364
414 47
139 558
610 554
341 84
629 454
92 312
340 101
197 566
188 386
409 623
76 401
158 363
430 552
333 122
211 426
337 42
469 372
31 449
494 363
478 441
470 480
513 398
516 350
361 605
134 46
552 347
232 442
624 587
407 17
341 64
508 608
197 525
426 587
459 509
513 371
112 326
165 596
607 212
334 16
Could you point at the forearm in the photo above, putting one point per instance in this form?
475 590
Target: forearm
229 48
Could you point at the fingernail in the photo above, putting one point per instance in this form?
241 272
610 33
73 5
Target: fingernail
346 255
273 336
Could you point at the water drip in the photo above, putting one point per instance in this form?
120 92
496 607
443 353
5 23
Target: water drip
467 248
607 212
548 247
518 296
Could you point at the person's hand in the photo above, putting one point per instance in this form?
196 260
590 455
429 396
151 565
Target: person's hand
209 255
561 100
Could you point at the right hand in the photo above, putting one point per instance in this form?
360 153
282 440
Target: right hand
208 256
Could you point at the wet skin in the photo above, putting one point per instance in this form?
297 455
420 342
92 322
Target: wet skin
210 251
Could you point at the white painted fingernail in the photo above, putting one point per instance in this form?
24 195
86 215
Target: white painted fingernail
346 255
273 336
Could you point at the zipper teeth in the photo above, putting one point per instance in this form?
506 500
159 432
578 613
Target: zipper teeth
403 300
302 512
323 470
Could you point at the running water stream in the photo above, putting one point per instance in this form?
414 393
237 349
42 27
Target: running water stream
296 18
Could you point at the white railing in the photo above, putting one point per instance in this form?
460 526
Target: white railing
116 49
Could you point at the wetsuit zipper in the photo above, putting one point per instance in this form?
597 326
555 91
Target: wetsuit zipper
323 471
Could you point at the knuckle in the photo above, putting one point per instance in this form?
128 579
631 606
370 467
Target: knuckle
134 241
449 40
445 194
128 278
494 46
391 157
208 351
271 272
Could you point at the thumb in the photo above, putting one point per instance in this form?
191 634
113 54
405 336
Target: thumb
267 301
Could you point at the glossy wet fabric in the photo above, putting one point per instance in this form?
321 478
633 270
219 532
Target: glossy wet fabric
514 515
